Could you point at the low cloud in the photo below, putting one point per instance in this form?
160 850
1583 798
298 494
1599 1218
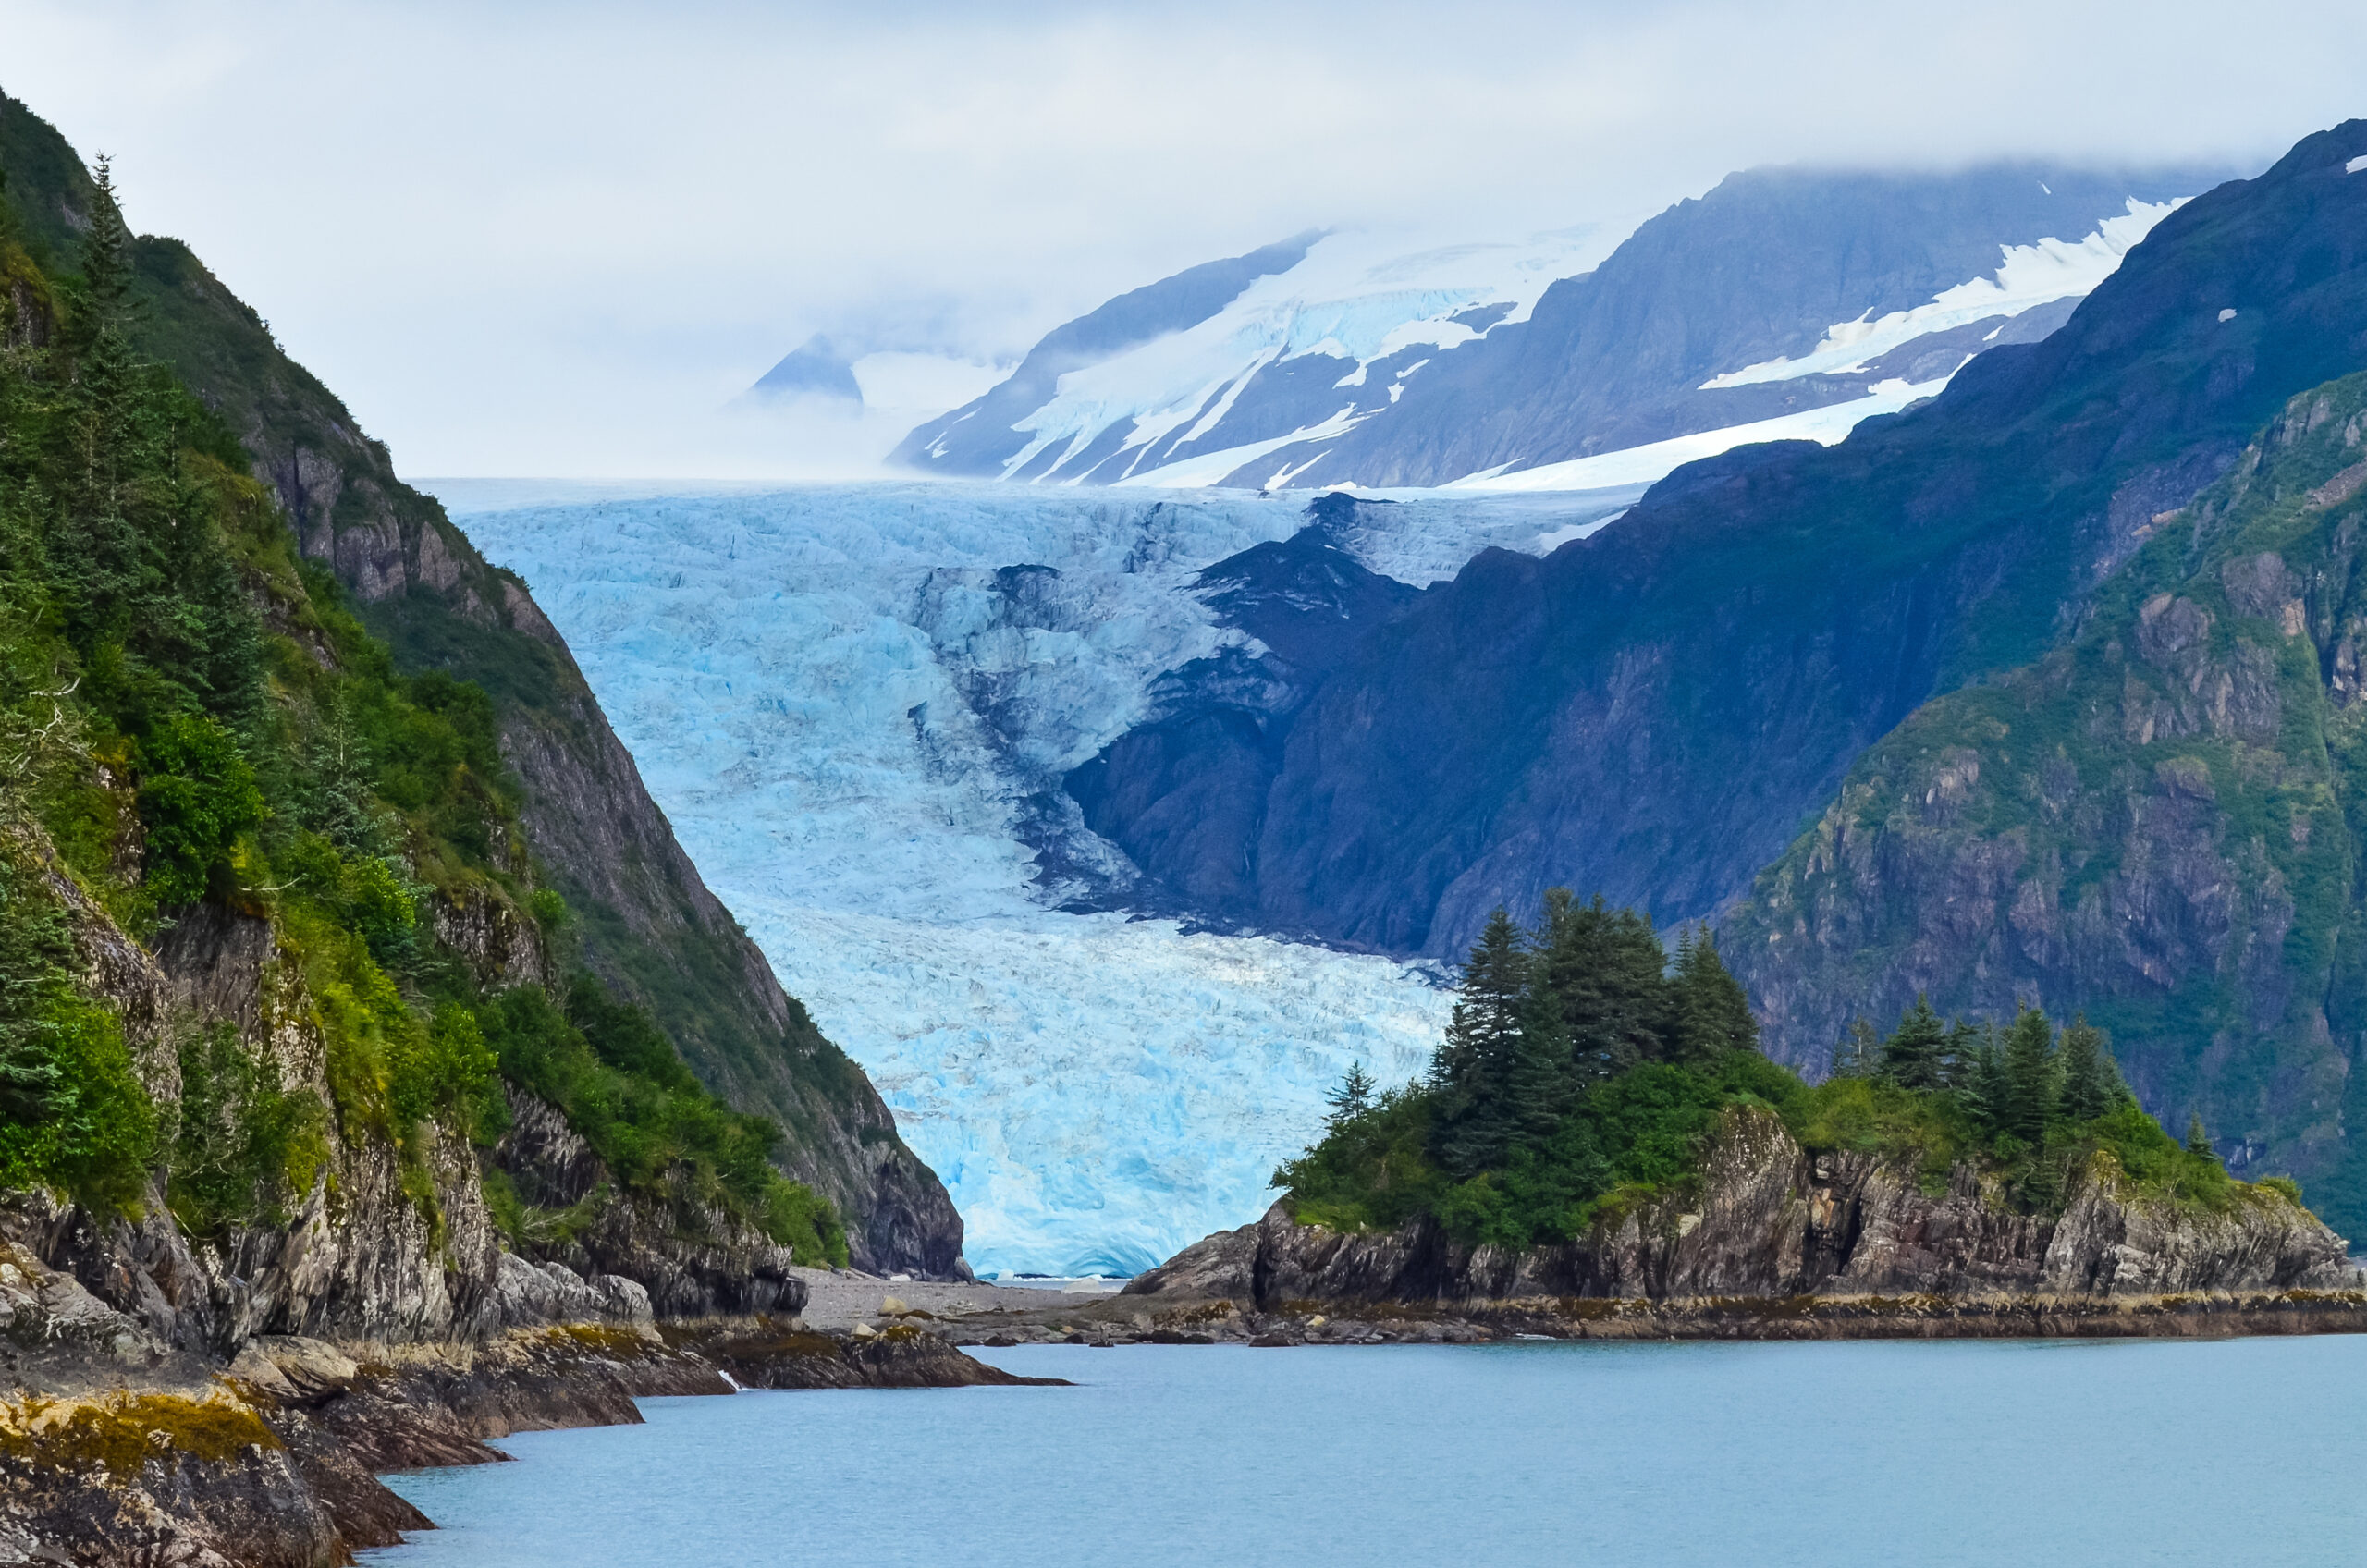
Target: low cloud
538 239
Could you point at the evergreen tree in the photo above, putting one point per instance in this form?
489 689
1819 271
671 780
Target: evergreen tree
1978 1071
1604 975
1915 1056
1476 1065
1710 1011
2090 1081
2030 1078
1859 1054
2198 1142
1351 1098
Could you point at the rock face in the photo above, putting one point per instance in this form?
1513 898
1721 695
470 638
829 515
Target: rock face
649 926
1773 1222
677 1257
1653 712
2146 824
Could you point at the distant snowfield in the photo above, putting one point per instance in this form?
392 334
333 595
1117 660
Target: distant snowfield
1643 465
2027 277
827 692
1357 295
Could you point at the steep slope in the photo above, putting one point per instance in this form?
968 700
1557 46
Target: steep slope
647 923
2158 823
976 438
1813 298
1653 712
1779 292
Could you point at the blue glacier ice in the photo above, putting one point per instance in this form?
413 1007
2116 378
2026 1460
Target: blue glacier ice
828 691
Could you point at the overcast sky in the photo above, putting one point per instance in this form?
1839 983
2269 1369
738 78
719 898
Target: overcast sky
530 239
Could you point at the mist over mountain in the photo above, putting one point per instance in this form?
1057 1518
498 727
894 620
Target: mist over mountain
1786 303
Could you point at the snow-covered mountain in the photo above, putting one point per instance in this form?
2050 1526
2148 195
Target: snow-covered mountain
1784 303
858 706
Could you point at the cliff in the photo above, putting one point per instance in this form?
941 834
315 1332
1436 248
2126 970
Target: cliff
1773 1222
1652 712
645 923
2157 823
333 1136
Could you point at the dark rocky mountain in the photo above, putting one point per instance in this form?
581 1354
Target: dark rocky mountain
1658 711
976 438
815 369
1183 792
647 926
1759 270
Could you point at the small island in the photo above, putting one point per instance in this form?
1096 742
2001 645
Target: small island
1600 1148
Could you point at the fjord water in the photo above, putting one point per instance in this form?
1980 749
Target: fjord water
2148 1451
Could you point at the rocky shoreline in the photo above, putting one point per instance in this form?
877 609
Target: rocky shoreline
1774 1242
118 1446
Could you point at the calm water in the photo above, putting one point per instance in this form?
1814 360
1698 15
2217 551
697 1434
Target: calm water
2247 1451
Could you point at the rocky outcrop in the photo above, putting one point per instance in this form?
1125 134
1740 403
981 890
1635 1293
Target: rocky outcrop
2145 825
646 924
1771 1221
688 1258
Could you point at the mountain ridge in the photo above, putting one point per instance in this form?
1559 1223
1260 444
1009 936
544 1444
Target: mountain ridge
645 921
1779 293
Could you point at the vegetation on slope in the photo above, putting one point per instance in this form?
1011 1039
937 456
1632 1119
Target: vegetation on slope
190 715
642 922
1582 1074
2159 822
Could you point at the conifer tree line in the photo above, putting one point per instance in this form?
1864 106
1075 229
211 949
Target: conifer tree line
2023 1081
1545 1014
1585 1064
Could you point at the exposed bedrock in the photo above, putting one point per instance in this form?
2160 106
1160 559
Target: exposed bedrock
1775 1221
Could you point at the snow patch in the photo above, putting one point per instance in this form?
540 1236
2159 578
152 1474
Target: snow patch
2028 276
2356 165
1210 468
1644 465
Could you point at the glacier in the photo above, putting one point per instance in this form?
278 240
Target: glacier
851 701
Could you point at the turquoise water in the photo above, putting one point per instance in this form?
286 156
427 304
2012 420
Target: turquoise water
2248 1451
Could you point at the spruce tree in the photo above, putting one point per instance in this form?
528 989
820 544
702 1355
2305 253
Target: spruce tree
1978 1071
1712 1013
1915 1056
1859 1054
1604 973
2029 1078
2090 1081
2198 1142
1482 1054
1351 1098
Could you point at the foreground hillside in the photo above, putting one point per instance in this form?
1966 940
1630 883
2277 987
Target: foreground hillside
640 917
2159 819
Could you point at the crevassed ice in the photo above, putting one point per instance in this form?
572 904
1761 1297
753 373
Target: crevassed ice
826 691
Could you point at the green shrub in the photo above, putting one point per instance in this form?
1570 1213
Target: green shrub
197 795
622 1088
245 1143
